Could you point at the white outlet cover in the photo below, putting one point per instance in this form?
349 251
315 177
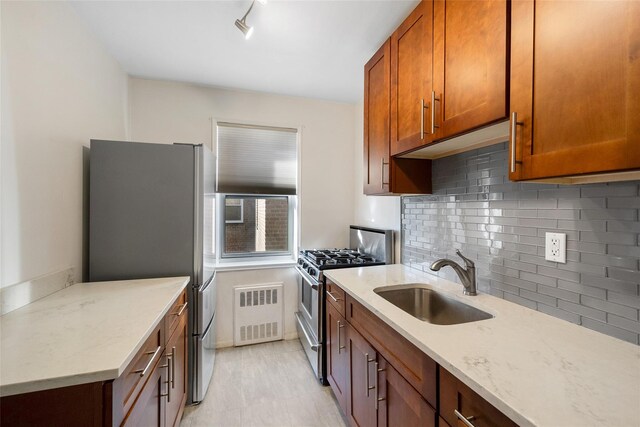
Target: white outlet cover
555 247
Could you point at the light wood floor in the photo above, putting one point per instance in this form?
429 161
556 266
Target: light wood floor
269 384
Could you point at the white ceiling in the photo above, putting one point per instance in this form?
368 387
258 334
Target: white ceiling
304 48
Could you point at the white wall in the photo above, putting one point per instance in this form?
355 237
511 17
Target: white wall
59 89
176 112
168 112
372 211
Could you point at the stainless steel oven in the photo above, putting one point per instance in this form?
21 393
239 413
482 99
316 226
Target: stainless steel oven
368 247
308 319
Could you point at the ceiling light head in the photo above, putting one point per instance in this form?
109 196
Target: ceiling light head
246 29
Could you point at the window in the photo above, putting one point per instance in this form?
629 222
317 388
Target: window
256 191
265 228
233 211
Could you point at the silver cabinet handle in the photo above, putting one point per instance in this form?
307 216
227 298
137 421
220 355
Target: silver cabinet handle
333 298
366 364
144 371
382 183
340 326
367 361
422 108
433 112
514 128
465 420
173 367
168 393
378 398
170 369
183 307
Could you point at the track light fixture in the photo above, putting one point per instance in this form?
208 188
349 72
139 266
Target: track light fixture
247 30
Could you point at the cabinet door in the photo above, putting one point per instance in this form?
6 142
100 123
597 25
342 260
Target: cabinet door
411 79
361 398
575 80
337 357
470 41
377 92
399 404
150 406
177 369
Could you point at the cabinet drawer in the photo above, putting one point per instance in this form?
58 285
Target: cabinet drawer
150 403
178 309
336 297
415 366
128 385
456 396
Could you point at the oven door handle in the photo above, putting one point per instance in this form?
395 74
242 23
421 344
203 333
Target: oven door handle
307 278
313 347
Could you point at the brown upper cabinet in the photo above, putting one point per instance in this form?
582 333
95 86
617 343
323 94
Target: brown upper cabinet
470 63
382 173
411 79
448 71
575 85
442 74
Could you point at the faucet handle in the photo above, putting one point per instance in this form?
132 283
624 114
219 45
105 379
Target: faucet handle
467 262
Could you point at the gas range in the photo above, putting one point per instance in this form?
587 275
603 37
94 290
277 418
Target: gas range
314 261
369 247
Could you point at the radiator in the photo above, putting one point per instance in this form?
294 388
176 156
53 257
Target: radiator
258 313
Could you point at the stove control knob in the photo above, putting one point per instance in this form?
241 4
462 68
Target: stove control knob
312 271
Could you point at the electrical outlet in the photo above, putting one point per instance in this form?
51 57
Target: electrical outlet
555 247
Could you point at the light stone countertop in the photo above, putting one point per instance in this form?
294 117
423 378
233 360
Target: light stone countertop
536 369
85 333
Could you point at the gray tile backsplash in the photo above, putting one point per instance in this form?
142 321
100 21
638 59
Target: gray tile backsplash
501 226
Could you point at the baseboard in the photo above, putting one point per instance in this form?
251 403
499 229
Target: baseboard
287 336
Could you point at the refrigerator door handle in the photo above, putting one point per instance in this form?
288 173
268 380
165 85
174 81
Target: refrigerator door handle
198 220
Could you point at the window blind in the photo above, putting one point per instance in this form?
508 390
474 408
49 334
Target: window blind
256 159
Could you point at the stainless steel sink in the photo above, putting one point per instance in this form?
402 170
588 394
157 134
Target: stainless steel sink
426 304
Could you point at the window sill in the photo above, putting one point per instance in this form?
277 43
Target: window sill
254 264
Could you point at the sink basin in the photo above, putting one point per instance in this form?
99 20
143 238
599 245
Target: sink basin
426 304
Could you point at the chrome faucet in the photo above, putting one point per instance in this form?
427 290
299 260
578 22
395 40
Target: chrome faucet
467 276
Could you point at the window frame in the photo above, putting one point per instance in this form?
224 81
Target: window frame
262 256
234 221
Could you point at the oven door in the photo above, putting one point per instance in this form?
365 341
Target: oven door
309 304
309 321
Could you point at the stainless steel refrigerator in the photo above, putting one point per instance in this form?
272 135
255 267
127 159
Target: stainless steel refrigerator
151 214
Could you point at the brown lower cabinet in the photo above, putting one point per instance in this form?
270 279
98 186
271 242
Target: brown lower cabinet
150 392
382 380
150 404
400 404
177 367
362 396
458 401
337 355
